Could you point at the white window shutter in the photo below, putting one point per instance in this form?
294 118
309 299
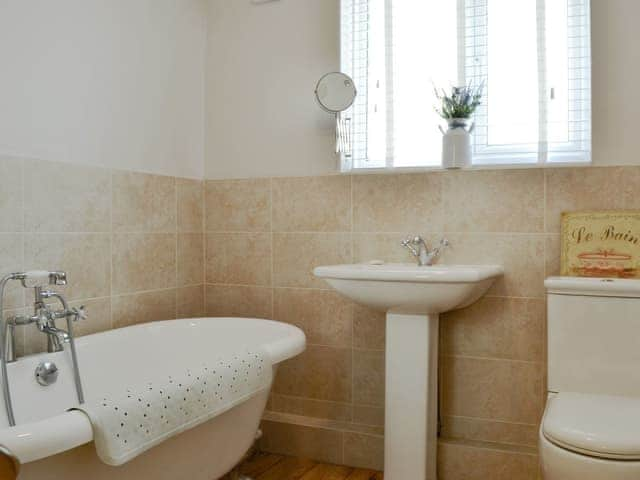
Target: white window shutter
533 56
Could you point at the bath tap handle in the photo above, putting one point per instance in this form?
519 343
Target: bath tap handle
79 313
57 278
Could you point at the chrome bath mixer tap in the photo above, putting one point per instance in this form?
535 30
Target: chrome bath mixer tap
44 318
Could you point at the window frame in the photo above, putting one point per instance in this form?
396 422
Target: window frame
575 152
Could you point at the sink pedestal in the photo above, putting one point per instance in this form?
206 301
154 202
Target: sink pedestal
411 397
411 408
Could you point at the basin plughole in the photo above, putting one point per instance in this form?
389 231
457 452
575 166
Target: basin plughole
413 298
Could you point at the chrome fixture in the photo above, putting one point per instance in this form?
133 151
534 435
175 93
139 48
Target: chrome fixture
419 249
335 93
46 373
44 317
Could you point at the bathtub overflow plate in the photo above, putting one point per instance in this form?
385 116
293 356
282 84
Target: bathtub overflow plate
46 373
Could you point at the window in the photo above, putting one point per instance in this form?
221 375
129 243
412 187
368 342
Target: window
533 57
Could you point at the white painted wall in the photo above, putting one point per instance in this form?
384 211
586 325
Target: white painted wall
117 83
263 62
616 81
121 83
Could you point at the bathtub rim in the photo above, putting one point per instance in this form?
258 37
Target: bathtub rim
41 439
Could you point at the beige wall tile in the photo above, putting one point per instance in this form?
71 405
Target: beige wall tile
12 260
457 461
397 203
66 198
575 189
311 408
143 307
190 205
239 301
323 315
511 328
492 389
322 373
84 256
482 430
239 258
552 255
364 451
494 201
368 377
11 213
367 415
98 319
522 257
312 204
369 327
143 203
190 259
143 262
190 302
238 205
320 444
295 255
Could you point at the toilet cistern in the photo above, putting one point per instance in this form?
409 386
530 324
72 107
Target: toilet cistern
592 415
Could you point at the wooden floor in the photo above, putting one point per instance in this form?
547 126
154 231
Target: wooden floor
264 466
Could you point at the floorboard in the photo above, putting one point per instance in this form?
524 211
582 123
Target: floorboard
290 468
265 466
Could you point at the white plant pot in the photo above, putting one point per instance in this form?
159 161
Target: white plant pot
456 143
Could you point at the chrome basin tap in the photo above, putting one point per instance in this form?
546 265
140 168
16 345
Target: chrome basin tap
419 249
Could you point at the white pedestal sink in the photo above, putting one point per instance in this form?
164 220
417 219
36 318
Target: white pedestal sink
413 298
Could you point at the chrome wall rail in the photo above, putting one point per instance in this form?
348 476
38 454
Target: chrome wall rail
6 393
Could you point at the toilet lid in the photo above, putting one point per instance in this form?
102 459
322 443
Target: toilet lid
596 425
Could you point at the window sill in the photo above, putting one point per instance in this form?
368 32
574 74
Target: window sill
502 166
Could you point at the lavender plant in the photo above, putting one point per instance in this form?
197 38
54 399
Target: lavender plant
461 103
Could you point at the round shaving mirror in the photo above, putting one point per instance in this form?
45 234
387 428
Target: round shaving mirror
335 92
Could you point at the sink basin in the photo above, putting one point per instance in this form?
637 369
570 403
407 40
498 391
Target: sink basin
399 287
413 297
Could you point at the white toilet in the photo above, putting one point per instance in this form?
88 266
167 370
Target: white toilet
591 424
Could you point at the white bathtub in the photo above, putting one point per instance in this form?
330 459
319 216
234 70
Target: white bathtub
52 443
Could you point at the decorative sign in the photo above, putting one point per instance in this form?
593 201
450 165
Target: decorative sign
601 244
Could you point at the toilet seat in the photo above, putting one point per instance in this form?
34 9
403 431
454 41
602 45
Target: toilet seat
559 463
602 426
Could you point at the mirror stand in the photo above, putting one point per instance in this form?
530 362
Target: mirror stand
335 93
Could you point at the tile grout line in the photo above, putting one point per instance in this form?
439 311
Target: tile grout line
203 192
175 205
205 241
494 359
111 239
271 239
23 240
352 393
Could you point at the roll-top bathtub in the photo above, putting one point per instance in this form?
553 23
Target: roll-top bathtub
53 443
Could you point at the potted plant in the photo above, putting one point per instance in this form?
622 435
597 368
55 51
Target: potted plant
457 108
